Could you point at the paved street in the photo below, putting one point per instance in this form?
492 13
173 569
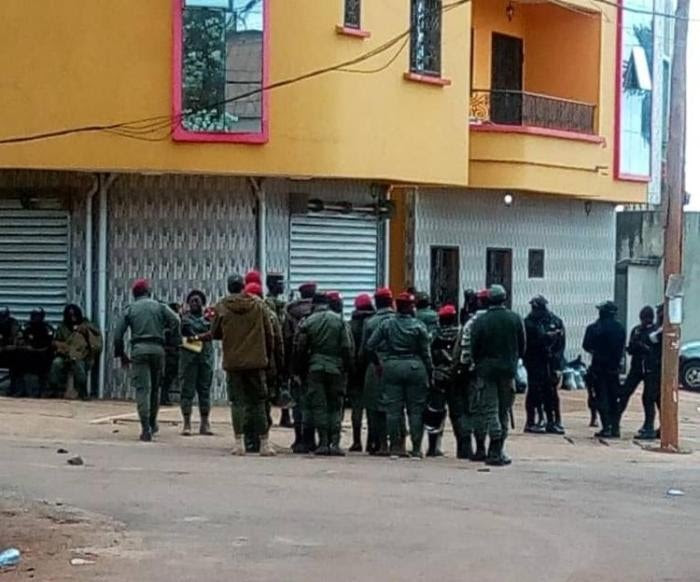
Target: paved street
183 509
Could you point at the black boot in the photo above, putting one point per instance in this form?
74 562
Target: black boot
647 431
553 428
298 443
323 449
480 453
186 424
204 426
334 449
432 445
464 450
155 429
286 419
594 419
356 440
496 457
534 428
309 437
145 432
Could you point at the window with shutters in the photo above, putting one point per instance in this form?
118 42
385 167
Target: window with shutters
353 13
426 37
535 263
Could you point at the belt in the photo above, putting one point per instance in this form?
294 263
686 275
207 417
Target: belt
402 357
147 340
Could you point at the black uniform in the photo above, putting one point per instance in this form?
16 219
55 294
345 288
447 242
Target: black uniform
639 349
9 333
36 352
544 361
651 396
605 341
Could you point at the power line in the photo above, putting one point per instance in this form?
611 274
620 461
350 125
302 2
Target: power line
140 128
652 12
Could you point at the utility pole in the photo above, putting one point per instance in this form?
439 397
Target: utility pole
673 234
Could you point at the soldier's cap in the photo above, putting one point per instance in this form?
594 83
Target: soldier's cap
607 307
197 293
233 281
422 296
497 293
334 296
320 299
406 297
539 301
383 293
309 285
447 311
363 301
140 287
482 294
253 289
275 277
253 277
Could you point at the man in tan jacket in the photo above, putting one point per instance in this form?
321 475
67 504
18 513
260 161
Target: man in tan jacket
243 326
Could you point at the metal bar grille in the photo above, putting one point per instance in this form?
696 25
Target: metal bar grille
353 13
426 37
33 258
338 252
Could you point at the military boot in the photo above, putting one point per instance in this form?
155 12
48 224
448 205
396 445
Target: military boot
323 449
298 444
335 450
356 440
204 427
383 449
464 450
155 429
286 419
647 432
496 457
266 449
146 436
553 428
433 448
534 428
238 447
480 453
186 425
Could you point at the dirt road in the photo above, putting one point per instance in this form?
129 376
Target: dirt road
572 509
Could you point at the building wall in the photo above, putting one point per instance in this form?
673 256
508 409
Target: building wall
579 248
82 62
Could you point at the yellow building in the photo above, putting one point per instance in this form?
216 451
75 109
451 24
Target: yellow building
440 144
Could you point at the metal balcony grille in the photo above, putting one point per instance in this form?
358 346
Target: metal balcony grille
426 37
532 109
353 12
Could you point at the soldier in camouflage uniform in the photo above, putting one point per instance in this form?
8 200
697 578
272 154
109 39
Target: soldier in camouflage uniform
373 395
322 347
363 311
426 314
276 302
296 312
196 367
9 336
148 321
497 342
170 383
407 370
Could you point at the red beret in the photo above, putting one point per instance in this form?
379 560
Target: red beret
253 277
253 289
363 301
447 311
140 286
307 285
384 292
405 297
483 294
334 296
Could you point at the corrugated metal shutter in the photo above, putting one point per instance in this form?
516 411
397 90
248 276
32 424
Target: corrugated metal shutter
339 252
33 258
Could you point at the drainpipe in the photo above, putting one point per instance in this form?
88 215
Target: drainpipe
106 181
259 192
89 246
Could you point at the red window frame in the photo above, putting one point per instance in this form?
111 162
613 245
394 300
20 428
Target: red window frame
179 133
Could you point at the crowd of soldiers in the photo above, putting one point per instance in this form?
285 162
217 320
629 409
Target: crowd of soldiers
51 354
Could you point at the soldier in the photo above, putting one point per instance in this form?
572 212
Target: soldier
426 314
442 350
172 362
322 347
406 371
463 396
639 349
276 367
651 396
296 312
148 321
243 324
605 341
196 363
544 361
275 300
497 342
470 306
77 343
36 350
373 394
363 311
9 336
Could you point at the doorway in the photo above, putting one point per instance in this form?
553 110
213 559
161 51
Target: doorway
499 270
506 79
444 276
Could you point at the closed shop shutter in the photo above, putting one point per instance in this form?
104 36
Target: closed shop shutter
339 252
33 258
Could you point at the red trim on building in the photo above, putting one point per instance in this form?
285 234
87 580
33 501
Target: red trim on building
633 178
540 131
427 79
354 32
179 133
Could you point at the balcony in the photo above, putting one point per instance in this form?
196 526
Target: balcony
533 110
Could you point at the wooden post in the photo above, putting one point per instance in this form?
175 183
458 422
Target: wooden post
674 194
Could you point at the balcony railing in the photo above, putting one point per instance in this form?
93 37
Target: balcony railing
506 107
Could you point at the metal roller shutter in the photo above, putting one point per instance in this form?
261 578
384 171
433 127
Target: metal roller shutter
33 258
339 252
